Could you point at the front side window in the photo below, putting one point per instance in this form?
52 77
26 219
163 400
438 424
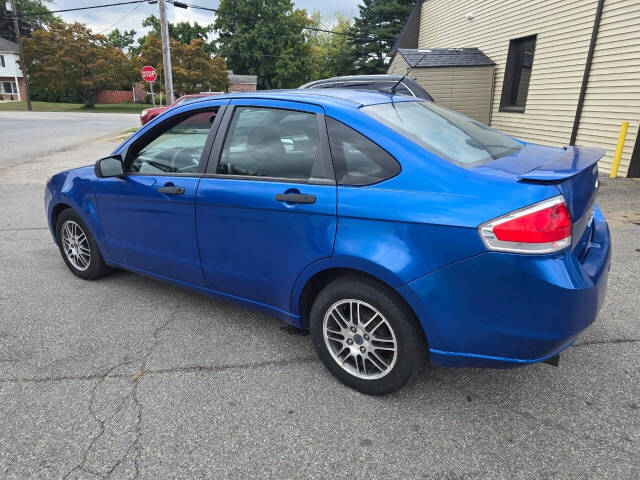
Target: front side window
356 159
2 61
176 148
450 135
517 74
270 142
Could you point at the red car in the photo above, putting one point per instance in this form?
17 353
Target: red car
149 114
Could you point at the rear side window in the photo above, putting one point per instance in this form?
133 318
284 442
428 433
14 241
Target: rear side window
356 159
269 142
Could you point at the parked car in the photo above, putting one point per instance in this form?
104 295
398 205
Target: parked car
398 231
149 114
408 86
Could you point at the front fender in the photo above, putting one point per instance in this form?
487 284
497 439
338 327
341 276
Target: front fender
77 189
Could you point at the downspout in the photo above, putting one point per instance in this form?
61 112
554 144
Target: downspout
15 77
587 71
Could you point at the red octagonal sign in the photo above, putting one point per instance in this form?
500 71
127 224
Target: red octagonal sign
149 74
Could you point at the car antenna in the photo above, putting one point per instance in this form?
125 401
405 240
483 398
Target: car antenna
392 90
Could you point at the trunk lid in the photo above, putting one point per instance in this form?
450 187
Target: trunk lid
573 170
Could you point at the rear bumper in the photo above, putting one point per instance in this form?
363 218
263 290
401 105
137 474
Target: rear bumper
505 310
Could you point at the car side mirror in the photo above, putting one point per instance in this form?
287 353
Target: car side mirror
107 167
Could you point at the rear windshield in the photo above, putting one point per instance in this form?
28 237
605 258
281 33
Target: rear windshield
450 135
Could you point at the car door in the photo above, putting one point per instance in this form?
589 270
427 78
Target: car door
148 216
266 207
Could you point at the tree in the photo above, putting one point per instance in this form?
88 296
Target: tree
375 31
32 15
193 68
122 40
68 57
265 39
332 53
182 32
195 71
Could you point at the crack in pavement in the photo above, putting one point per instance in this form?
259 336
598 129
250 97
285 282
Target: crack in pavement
232 366
134 446
606 342
101 423
22 229
165 371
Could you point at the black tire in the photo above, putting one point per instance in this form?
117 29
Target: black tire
411 346
96 268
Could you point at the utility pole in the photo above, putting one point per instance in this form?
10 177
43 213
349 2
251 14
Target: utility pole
166 52
23 66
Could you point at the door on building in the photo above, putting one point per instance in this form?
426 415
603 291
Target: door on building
634 165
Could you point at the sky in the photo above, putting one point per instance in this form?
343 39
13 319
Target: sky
106 19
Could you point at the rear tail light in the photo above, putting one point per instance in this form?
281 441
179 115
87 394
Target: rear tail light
541 228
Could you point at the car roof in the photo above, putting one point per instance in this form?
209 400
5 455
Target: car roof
325 96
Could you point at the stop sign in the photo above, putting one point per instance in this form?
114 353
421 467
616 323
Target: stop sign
148 74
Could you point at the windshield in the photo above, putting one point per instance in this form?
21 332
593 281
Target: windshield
450 135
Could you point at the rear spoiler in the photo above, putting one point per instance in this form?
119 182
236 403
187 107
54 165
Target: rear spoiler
570 162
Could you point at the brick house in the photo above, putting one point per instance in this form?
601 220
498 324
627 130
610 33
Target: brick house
11 81
242 83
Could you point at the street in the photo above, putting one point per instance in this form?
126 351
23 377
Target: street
127 377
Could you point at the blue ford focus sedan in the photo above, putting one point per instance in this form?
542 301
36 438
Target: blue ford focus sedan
399 232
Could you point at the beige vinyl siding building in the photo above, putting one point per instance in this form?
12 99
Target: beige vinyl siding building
561 32
466 89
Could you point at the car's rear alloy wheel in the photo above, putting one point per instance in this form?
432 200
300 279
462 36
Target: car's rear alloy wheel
366 336
360 339
78 247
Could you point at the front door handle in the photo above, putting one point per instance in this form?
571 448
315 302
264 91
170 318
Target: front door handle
295 198
171 190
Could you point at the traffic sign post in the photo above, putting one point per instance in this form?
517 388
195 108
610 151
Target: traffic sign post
149 75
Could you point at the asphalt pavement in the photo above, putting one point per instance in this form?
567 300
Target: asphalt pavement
127 377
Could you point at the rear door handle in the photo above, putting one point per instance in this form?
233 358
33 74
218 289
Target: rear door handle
295 198
171 190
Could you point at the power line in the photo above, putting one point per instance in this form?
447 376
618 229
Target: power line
216 11
33 14
275 22
118 21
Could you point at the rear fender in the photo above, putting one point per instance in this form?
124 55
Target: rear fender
342 262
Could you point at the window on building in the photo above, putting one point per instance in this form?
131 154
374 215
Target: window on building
517 74
9 87
2 60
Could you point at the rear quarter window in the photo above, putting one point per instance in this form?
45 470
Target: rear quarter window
356 159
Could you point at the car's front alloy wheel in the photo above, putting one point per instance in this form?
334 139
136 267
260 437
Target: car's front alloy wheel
366 335
78 247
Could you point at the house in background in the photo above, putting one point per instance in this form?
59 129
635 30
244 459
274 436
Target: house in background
458 78
11 81
565 72
242 83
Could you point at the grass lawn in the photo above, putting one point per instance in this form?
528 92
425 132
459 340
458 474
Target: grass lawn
73 107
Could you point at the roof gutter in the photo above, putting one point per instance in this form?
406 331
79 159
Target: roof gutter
587 71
